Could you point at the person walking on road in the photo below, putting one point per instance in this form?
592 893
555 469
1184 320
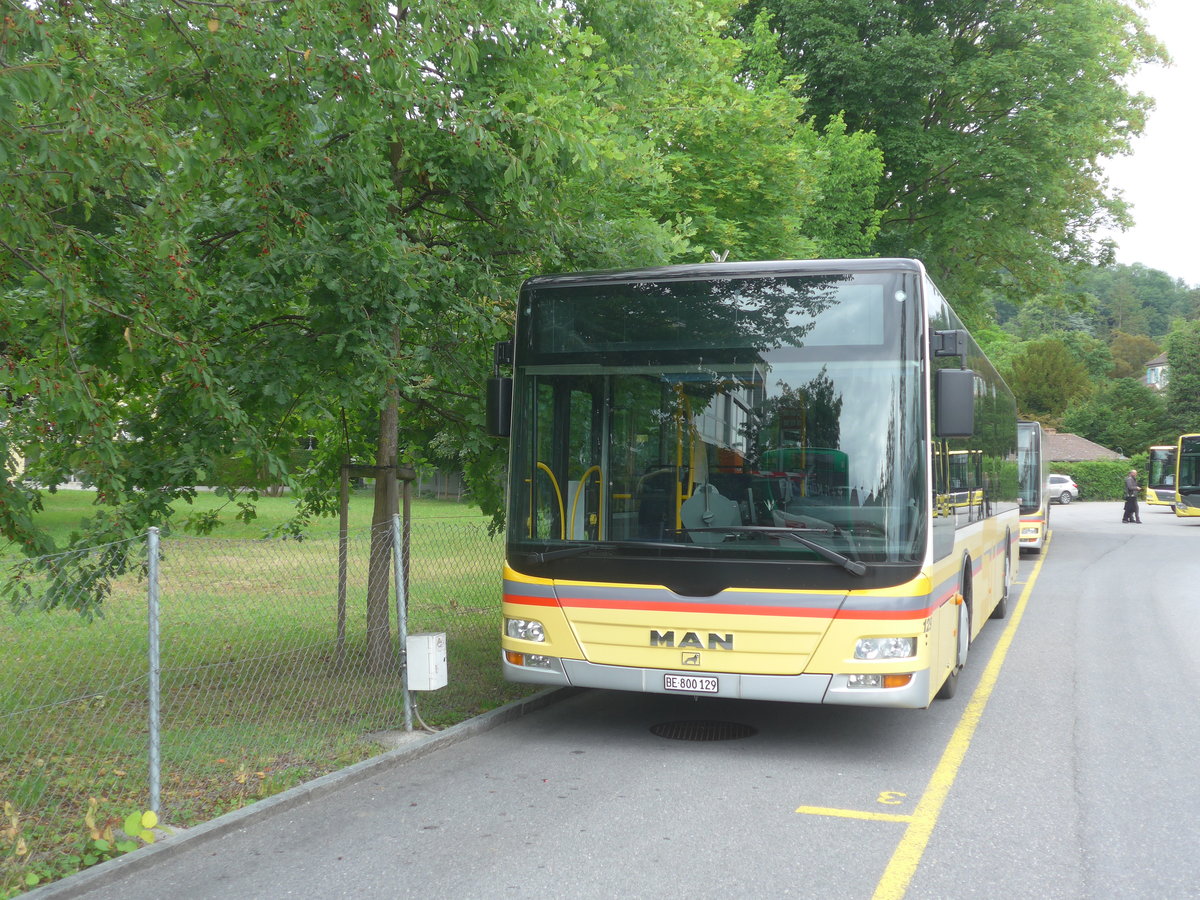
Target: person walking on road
1131 498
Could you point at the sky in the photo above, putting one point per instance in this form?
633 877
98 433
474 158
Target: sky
1161 178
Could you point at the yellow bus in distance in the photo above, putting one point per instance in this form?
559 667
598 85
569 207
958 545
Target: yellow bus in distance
1160 476
1187 476
1035 494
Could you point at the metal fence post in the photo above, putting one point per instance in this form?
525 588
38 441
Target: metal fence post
401 567
152 617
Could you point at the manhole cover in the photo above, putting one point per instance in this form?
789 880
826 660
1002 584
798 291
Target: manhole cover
702 731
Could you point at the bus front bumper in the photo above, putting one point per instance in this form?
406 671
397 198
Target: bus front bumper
806 688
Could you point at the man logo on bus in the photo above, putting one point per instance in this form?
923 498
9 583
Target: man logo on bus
690 640
691 659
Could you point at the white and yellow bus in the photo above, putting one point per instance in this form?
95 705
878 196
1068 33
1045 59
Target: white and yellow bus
1160 476
1187 476
780 481
1035 495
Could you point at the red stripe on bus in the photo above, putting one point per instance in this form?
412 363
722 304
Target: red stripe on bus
526 600
728 608
897 614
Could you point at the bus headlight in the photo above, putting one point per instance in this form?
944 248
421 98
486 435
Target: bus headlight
525 630
886 648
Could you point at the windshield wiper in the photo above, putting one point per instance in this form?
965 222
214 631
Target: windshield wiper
853 566
582 548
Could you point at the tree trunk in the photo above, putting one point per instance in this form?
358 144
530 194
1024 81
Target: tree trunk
380 655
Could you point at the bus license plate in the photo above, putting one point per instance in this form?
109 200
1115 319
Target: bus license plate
693 684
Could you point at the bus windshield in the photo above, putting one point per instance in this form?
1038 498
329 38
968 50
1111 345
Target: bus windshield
1031 475
1161 468
724 417
1189 465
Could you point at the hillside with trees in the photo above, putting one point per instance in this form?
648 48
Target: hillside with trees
1077 359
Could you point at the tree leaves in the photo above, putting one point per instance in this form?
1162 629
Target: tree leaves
1045 378
992 117
232 227
1183 386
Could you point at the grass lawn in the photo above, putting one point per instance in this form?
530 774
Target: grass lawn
260 689
65 509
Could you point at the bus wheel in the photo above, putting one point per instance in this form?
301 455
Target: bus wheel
961 645
1001 609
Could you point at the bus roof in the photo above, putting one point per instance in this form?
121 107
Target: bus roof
714 270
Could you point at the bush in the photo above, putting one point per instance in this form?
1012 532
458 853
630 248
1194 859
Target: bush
1102 479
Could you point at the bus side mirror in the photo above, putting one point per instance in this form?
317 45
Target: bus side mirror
955 403
499 406
499 392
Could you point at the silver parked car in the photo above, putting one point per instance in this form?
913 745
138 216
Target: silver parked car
1062 488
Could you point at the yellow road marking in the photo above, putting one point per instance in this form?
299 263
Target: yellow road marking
908 853
853 814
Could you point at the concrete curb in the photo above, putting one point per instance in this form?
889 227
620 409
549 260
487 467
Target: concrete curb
114 870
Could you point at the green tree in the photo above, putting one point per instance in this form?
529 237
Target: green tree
1125 311
1130 353
992 116
225 227
747 170
1046 377
1135 299
276 218
1125 416
1042 314
1191 305
1183 372
1091 352
998 346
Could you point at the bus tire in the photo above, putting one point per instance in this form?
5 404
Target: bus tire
1001 608
963 642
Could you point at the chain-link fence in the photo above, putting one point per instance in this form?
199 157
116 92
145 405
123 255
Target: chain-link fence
268 675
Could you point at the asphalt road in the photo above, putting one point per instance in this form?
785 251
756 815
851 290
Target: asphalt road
1064 768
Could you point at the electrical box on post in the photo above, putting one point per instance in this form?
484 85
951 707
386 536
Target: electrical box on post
427 661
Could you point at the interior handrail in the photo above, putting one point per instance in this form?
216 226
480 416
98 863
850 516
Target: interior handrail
562 522
600 510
